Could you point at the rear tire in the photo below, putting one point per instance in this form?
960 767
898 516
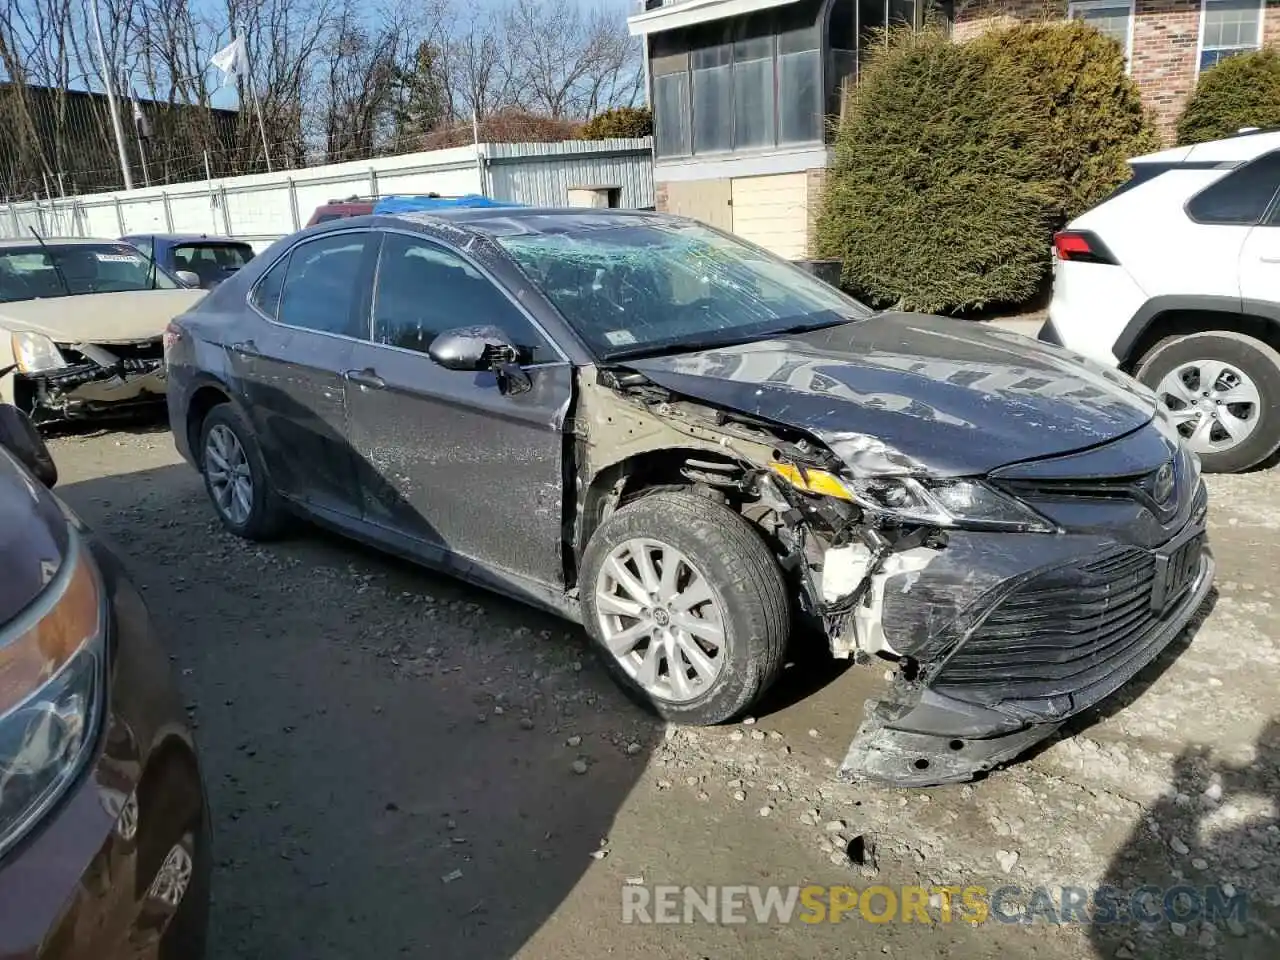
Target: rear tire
229 454
718 619
1198 376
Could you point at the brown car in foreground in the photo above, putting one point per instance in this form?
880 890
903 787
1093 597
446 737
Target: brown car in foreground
104 830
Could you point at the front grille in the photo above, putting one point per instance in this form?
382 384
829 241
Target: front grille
1062 630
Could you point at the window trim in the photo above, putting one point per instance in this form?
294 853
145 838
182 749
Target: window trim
1231 170
284 259
1085 5
1204 8
383 232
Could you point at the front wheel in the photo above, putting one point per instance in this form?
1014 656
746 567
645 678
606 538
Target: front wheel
1222 391
687 606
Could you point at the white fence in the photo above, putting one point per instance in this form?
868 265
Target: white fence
261 208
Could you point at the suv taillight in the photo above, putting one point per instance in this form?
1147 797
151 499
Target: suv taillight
1081 246
172 334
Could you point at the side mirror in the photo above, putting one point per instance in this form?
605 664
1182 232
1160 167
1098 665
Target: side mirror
187 278
19 436
472 348
481 348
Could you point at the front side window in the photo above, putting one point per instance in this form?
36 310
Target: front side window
1228 27
1241 197
71 269
322 285
423 289
1111 18
657 286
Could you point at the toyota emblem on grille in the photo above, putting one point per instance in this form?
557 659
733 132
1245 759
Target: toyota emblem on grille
1162 489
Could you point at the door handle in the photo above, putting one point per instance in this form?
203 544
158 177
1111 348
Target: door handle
246 348
366 378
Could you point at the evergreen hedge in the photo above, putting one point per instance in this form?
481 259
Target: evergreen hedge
955 162
1240 91
618 122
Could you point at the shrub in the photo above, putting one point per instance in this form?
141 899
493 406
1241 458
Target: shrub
955 162
619 122
1241 91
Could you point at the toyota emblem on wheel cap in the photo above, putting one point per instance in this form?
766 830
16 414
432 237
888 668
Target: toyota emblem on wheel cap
1163 487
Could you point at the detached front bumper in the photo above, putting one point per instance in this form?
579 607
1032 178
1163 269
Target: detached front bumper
1007 638
89 390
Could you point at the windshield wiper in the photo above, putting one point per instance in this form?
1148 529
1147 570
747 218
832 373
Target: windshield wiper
52 260
732 339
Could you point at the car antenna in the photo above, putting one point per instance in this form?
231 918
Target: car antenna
53 260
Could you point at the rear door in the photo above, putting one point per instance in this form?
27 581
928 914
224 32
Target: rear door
1260 256
311 308
444 456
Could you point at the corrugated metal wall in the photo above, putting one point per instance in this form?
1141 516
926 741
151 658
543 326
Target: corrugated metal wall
263 207
541 174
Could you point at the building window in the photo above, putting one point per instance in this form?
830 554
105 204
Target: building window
1112 18
751 83
1228 27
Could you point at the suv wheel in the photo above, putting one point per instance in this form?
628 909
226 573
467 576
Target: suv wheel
687 606
1222 390
235 478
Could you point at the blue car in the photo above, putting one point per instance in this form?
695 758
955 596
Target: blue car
197 259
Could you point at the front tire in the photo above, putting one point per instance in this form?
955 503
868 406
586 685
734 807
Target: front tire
1222 390
687 606
235 477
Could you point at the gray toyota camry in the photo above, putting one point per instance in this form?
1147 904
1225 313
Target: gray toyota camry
690 447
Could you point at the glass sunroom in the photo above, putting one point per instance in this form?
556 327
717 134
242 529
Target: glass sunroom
733 76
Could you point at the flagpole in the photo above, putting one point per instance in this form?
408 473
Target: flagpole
253 91
111 102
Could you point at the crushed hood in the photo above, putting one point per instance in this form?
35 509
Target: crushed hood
912 393
99 317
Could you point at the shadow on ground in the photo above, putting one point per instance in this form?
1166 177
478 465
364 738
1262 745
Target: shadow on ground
390 755
1202 864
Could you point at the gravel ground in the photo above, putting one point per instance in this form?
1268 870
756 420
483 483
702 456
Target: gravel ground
400 765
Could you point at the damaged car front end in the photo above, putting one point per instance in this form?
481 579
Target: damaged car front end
1006 585
68 381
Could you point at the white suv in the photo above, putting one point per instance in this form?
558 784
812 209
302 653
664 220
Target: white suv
1175 278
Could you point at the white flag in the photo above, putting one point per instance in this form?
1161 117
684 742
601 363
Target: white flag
231 60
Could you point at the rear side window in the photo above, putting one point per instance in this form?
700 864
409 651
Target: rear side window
1241 197
322 285
266 295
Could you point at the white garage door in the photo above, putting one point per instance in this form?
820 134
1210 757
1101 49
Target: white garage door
773 212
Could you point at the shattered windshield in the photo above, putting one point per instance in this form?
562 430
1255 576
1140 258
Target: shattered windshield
63 270
653 287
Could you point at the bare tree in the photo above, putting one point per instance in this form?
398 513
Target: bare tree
568 63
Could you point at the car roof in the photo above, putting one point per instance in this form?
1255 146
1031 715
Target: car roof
508 221
10 243
183 238
1237 148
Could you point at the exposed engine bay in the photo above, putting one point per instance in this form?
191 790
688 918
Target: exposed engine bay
994 634
98 379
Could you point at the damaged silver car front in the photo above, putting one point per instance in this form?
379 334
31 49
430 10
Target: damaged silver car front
64 381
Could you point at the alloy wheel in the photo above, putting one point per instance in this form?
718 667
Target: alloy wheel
230 480
661 620
1214 405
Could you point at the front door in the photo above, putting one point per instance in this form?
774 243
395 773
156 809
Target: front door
291 365
445 456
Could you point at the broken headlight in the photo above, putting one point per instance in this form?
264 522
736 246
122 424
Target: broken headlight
51 693
946 503
941 503
36 353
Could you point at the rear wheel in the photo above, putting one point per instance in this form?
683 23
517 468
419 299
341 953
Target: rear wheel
1222 391
687 606
235 478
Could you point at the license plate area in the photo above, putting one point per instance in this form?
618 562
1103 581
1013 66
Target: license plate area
1176 568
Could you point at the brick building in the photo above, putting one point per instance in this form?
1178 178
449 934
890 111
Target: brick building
1168 42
